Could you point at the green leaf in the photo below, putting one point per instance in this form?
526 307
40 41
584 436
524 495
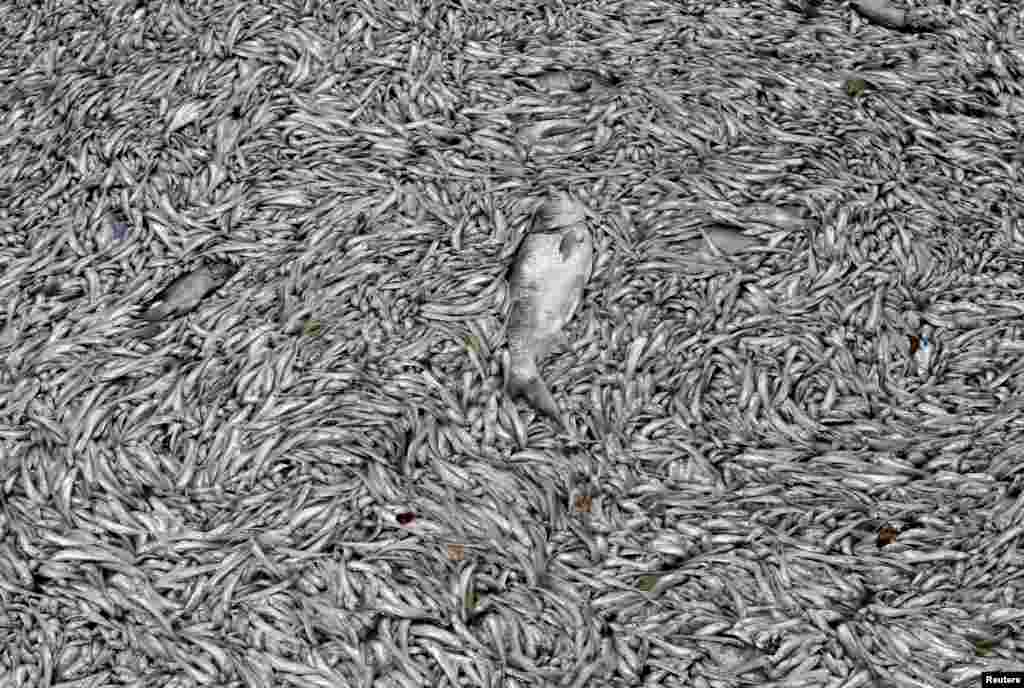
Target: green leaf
472 343
647 583
983 648
472 600
311 328
855 87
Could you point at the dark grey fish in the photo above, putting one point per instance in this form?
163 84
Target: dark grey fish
552 266
888 15
882 12
185 293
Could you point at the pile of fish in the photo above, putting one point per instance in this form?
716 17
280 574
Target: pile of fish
547 279
552 267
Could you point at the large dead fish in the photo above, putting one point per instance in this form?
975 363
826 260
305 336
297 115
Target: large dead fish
890 16
552 266
184 294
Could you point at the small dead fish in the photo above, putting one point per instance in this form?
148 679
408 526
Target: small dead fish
552 266
184 294
728 240
564 80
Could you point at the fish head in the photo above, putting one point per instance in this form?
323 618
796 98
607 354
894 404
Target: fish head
559 211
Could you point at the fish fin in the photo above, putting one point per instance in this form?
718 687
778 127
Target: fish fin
534 390
567 244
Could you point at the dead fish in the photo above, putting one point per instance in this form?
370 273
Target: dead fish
185 293
552 266
565 80
726 240
887 15
784 217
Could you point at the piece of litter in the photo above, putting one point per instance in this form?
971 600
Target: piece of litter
983 648
405 518
886 536
311 328
922 356
647 583
118 231
583 503
855 87
456 552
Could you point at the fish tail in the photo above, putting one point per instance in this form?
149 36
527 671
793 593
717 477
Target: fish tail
532 388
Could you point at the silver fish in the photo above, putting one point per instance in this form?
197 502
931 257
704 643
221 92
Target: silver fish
567 80
185 293
728 240
552 266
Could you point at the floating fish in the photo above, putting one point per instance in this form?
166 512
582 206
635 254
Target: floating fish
726 240
888 15
184 294
566 80
552 266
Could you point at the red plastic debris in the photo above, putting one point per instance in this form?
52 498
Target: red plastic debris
405 518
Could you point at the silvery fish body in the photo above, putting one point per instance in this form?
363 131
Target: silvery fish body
728 240
552 266
186 292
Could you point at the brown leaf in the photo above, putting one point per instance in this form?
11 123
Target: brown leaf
887 535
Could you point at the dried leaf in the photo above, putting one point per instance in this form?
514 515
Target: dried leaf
887 535
311 328
647 583
855 87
